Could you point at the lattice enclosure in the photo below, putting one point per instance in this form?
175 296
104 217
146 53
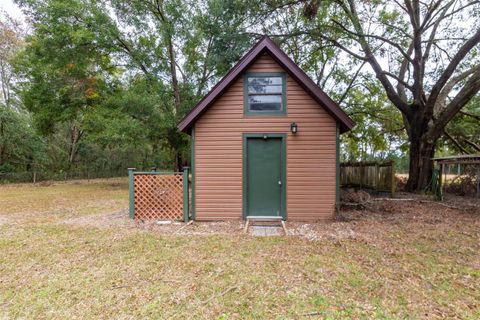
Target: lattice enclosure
158 196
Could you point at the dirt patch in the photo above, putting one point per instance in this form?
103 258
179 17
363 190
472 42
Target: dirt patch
121 219
351 196
377 217
334 231
367 225
3 221
52 183
381 216
117 219
196 228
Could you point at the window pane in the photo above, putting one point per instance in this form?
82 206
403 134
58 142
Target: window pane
264 84
265 81
265 103
265 89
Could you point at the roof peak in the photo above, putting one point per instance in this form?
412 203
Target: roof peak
267 44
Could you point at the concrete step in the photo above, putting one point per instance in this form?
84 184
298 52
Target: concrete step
265 225
265 231
265 218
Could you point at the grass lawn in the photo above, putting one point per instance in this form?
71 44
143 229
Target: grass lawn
67 250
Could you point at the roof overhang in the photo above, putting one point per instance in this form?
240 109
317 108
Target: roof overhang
266 45
459 159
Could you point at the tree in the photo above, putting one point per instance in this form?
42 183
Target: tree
182 47
11 41
160 56
379 130
64 67
427 64
20 147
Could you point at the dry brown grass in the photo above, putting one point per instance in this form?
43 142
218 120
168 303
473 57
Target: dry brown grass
69 251
447 178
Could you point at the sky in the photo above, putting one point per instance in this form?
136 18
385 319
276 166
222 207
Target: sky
12 9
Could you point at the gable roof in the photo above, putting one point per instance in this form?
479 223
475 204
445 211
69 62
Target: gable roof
266 45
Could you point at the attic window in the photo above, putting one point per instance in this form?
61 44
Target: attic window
265 93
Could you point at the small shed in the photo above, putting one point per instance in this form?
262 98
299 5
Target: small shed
265 142
460 160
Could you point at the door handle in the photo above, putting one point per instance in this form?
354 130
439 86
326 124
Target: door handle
279 183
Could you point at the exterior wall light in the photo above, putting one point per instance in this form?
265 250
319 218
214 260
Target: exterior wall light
293 127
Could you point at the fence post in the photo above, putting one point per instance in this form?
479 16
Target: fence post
361 175
131 193
185 194
478 180
440 182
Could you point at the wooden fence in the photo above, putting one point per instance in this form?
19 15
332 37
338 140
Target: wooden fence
378 176
158 195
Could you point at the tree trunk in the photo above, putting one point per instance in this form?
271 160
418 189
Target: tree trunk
178 161
75 136
2 146
421 165
173 71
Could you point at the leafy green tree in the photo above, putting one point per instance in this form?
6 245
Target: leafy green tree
428 67
105 69
21 149
64 68
379 128
11 41
185 46
111 79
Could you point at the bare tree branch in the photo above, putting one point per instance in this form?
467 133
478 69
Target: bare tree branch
126 48
431 10
401 75
330 73
393 44
350 85
472 144
391 93
447 73
404 84
418 62
470 3
442 97
469 90
475 116
455 142
434 31
400 5
342 47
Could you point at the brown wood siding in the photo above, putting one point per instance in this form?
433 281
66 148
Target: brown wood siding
311 153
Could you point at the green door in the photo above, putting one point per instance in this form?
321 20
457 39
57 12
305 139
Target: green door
264 189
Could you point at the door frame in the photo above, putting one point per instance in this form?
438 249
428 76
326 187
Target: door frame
283 170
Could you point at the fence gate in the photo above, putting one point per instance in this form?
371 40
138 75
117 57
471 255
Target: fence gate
158 195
